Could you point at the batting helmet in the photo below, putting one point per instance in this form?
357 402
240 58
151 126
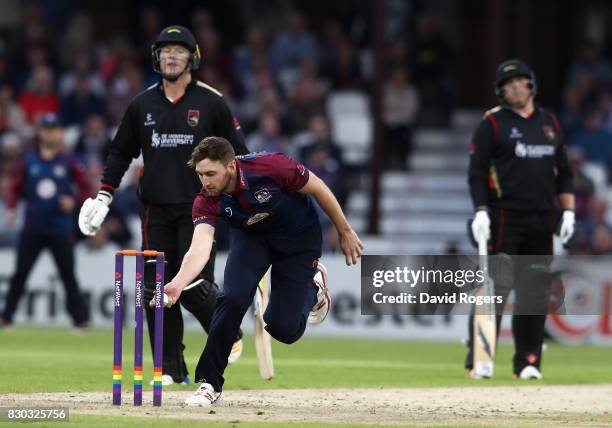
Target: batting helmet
176 34
513 68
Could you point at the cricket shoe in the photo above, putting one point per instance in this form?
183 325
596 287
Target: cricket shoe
236 352
82 327
321 308
204 396
530 372
167 380
5 324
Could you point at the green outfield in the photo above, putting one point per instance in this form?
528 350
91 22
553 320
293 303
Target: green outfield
58 360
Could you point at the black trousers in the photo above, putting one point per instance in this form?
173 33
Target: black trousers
522 233
169 228
62 249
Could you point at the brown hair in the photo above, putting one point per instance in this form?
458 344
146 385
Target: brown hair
213 148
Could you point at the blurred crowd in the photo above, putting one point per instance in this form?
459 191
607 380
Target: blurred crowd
278 81
586 117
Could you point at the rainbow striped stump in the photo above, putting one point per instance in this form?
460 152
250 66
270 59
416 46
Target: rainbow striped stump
157 386
117 385
158 350
138 329
139 325
118 336
137 386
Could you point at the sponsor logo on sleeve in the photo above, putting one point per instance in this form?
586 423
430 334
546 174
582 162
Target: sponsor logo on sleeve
199 219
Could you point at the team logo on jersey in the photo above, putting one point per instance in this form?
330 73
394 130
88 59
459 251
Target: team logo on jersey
549 132
301 169
149 120
236 124
515 133
46 188
59 171
228 211
193 117
263 196
255 218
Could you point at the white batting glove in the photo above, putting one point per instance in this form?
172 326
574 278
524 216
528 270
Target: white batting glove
566 229
93 212
481 226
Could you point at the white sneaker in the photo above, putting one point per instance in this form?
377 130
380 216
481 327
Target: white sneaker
236 352
321 308
204 396
167 381
530 372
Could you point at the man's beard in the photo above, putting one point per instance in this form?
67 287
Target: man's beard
223 186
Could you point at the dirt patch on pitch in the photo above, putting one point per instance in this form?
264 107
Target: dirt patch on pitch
584 405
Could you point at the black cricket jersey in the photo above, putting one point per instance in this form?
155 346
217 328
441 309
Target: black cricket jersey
518 163
166 133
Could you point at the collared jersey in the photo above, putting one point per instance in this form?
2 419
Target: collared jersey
518 163
40 183
166 133
266 199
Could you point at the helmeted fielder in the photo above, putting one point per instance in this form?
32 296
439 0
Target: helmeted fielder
164 123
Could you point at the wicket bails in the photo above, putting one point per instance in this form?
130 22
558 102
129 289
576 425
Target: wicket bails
159 325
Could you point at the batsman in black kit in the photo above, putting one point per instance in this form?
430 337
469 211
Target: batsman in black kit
518 168
165 123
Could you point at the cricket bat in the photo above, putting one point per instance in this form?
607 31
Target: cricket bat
263 343
484 322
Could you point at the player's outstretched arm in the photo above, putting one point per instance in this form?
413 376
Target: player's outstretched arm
194 261
349 241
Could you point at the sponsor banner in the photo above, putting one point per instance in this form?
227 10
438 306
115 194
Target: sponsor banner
43 302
